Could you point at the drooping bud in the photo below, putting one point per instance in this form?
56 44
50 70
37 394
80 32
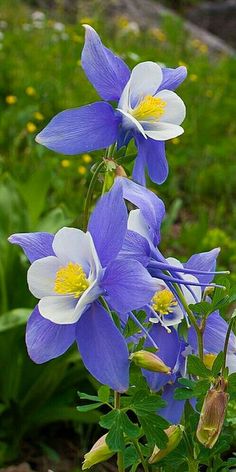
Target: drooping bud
120 171
213 414
100 452
148 360
175 434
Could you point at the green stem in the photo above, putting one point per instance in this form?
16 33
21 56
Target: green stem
120 457
227 342
192 465
3 291
138 449
199 331
90 193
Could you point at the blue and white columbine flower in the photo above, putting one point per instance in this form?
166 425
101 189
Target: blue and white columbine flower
147 110
69 273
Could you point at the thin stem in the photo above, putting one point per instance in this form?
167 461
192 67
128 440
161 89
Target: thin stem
199 331
192 465
139 451
120 457
90 193
230 327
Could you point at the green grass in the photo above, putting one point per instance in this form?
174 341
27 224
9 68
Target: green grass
40 190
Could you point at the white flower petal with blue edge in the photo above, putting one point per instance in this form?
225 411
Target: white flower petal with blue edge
41 276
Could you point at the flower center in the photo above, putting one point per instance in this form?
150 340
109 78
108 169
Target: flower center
71 280
208 360
164 301
149 109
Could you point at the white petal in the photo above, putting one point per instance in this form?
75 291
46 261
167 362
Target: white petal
59 309
161 131
137 223
73 245
177 317
145 79
89 296
124 102
96 270
130 122
175 110
196 290
41 276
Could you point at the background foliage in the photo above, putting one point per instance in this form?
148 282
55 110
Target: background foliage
41 75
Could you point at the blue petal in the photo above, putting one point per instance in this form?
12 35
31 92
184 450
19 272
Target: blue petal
214 335
106 71
108 225
152 207
103 348
203 261
152 154
127 285
82 129
172 78
169 347
34 245
174 408
135 247
138 173
46 340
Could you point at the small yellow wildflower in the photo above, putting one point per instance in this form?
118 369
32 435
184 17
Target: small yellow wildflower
11 99
182 63
158 34
82 170
122 21
31 127
65 163
175 140
30 91
38 116
86 20
86 158
209 93
203 48
193 77
77 39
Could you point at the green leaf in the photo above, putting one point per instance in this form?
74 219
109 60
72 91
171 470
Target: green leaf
196 367
14 318
131 430
85 396
130 456
186 382
183 393
153 427
202 308
144 403
115 438
92 406
107 420
220 293
218 363
104 394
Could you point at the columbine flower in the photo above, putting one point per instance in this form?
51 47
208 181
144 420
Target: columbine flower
148 110
69 273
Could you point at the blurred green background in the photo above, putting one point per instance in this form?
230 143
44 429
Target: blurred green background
41 75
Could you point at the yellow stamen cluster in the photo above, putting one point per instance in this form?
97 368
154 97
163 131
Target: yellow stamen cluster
208 360
163 302
71 280
149 109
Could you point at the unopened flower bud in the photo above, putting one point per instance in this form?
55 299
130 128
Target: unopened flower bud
175 434
213 414
100 452
120 171
148 360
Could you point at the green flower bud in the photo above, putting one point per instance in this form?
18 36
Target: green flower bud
213 414
100 452
175 434
148 360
